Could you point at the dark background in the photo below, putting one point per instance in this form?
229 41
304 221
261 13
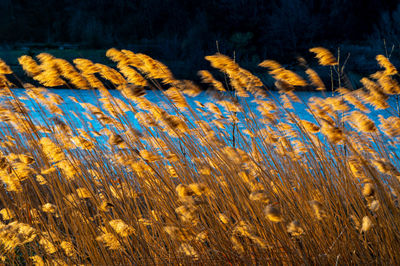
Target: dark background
184 30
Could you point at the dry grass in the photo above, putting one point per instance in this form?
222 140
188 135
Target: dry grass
215 183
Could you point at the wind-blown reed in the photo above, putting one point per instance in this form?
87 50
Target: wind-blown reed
211 183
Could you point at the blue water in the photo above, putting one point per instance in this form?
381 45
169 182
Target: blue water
42 117
85 96
70 107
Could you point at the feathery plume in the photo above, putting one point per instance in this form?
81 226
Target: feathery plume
325 57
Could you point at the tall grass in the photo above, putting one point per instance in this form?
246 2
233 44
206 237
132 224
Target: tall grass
211 183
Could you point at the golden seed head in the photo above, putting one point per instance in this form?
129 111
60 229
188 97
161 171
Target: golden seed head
273 214
385 63
7 214
366 224
188 250
223 218
49 208
318 208
110 241
184 191
47 245
325 57
294 229
271 64
4 68
374 205
83 193
315 79
37 260
368 190
260 196
68 248
122 228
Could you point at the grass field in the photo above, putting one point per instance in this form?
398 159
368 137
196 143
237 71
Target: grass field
215 182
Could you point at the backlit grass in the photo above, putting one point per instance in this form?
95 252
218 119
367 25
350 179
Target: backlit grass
205 183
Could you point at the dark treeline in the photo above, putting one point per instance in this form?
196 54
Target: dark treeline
176 29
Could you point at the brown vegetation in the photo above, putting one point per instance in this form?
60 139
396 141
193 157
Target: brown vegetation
215 183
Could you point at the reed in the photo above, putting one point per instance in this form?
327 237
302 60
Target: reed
180 188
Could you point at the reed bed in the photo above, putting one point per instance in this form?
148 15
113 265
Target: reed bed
213 183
